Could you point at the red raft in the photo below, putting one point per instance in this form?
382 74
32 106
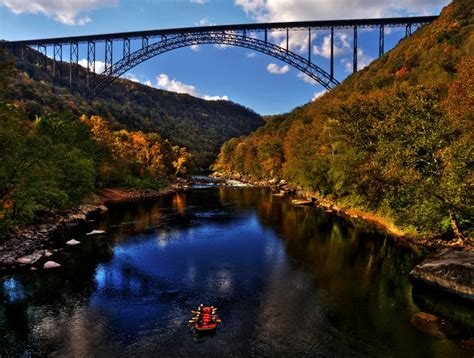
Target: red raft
205 319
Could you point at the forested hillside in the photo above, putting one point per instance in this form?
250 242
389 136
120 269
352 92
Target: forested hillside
201 126
394 139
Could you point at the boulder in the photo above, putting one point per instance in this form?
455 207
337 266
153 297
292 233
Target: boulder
72 242
77 217
50 265
96 232
449 270
48 253
29 259
428 324
302 202
102 208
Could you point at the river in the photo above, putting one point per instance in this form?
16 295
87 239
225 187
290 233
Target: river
288 282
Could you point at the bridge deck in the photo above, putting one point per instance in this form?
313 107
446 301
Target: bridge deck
257 27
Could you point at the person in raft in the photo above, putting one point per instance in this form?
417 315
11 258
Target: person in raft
207 315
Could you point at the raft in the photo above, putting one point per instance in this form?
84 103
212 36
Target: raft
205 319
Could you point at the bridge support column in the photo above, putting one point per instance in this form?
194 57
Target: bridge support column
381 40
309 45
408 30
287 40
109 47
354 65
126 48
73 62
57 60
42 51
90 64
144 42
332 52
265 36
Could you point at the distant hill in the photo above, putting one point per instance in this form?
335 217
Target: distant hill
394 139
200 125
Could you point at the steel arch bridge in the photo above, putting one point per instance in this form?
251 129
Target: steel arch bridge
156 42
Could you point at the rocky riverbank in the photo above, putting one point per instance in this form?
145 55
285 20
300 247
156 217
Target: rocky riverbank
24 245
451 271
282 187
449 267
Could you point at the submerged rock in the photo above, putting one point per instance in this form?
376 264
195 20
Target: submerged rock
427 323
96 232
72 242
450 270
51 265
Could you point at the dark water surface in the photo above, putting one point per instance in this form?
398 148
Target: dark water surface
288 282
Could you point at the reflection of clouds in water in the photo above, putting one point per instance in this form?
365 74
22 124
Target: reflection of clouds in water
14 290
220 280
82 333
191 273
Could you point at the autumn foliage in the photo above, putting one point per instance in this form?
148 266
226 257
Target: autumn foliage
394 139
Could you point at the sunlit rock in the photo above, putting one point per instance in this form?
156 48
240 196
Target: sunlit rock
452 271
51 265
427 323
96 232
302 202
29 259
72 242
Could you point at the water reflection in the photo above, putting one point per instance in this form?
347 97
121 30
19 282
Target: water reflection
288 281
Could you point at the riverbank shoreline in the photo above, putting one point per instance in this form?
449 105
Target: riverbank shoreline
23 245
282 187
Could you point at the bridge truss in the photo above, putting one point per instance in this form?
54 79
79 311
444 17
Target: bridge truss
152 43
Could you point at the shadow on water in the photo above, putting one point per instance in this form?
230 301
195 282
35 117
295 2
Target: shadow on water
288 281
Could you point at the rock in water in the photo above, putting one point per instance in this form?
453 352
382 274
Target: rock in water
450 270
302 202
96 232
72 242
427 323
51 265
29 259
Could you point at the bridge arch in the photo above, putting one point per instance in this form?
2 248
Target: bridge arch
217 38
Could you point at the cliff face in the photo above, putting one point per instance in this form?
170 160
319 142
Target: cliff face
395 139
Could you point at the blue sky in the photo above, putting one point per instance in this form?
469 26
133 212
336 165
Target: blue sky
255 80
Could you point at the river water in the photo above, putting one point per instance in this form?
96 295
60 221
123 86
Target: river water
288 282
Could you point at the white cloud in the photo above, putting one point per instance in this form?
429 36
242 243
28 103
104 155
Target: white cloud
318 94
66 11
221 46
131 77
163 81
205 21
301 10
251 54
306 78
363 60
195 48
99 65
341 46
284 10
215 98
200 2
274 69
